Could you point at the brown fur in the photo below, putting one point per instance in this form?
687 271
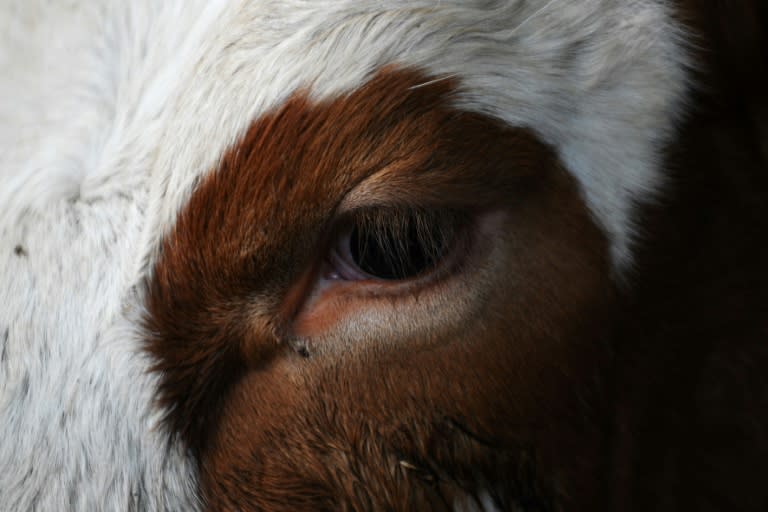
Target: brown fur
557 394
507 404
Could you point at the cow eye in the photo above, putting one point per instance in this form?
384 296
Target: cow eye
391 244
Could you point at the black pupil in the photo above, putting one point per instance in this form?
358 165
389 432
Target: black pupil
395 254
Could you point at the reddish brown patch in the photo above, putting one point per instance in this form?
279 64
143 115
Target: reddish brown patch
511 404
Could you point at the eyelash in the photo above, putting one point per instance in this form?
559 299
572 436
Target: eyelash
392 244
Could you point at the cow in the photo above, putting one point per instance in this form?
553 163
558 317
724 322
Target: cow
469 255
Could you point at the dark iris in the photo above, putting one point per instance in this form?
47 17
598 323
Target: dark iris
406 248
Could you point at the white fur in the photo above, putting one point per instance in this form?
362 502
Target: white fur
112 109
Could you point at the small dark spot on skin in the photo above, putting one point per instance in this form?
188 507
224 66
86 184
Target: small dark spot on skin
28 474
73 498
3 354
25 385
35 500
301 348
20 251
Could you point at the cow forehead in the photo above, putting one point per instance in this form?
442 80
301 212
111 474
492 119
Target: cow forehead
600 80
155 94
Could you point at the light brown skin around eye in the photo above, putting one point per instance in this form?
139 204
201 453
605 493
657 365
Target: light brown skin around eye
479 382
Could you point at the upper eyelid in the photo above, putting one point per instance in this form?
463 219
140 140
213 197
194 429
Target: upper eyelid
397 184
373 192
